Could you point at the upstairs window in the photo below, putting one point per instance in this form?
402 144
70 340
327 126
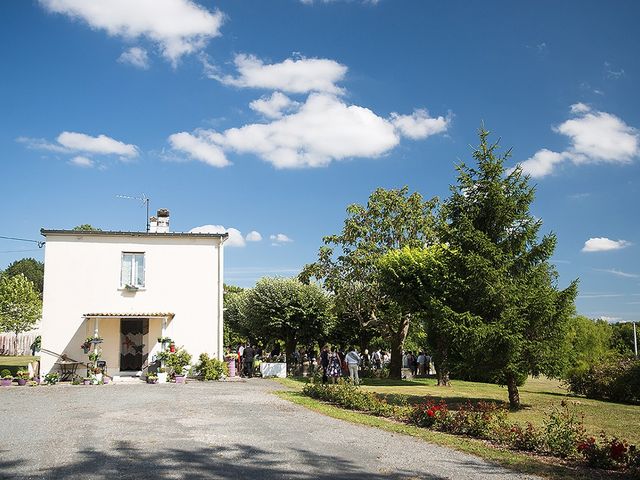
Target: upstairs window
132 272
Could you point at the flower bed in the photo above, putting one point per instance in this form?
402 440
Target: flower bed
562 434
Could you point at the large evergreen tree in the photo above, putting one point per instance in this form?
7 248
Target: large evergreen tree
509 283
30 268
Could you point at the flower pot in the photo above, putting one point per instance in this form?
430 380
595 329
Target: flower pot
86 350
106 380
162 377
152 381
6 382
231 363
99 377
86 382
22 382
172 348
180 379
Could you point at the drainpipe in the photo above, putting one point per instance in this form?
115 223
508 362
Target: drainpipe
219 353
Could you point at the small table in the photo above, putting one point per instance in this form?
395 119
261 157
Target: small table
67 369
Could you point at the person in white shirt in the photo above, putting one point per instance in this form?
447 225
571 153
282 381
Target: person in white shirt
422 360
353 360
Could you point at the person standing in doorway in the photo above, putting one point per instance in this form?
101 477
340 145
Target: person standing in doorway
353 362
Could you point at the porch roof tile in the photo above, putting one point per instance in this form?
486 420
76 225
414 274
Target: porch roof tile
130 315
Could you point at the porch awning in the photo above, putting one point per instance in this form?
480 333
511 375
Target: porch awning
167 315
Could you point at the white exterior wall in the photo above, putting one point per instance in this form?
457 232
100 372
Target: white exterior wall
183 276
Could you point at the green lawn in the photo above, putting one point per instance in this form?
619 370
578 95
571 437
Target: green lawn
538 396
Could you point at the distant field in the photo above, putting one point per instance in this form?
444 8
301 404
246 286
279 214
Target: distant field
538 396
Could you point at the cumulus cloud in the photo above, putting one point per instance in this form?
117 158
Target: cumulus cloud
81 161
136 57
603 244
323 129
274 105
235 237
299 75
82 147
199 148
419 125
609 319
253 236
279 238
594 136
176 27
101 144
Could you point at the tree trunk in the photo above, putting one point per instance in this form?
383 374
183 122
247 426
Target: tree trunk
441 362
289 348
514 394
397 342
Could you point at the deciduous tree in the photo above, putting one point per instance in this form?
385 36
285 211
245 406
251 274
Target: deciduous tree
20 305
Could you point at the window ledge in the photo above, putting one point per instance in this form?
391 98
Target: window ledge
132 290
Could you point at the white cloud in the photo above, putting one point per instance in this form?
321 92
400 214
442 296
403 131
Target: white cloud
323 130
618 273
579 108
235 237
253 236
542 163
135 56
280 238
419 125
595 137
199 148
41 144
603 244
177 27
611 73
81 161
609 319
300 75
273 106
101 145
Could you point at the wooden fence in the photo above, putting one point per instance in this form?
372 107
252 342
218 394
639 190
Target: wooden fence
7 343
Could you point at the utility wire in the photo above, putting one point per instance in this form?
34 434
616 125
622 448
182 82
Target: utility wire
39 243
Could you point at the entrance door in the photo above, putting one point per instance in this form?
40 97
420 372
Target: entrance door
132 351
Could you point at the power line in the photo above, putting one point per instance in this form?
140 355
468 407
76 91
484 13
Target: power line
38 242
20 251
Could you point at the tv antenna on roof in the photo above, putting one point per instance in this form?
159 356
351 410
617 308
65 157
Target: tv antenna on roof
145 201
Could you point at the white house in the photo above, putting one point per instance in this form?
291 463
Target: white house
130 288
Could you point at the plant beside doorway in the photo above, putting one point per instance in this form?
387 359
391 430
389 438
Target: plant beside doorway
151 378
22 376
6 378
178 363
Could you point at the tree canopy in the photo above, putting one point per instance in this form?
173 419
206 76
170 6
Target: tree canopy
31 268
347 262
20 304
86 227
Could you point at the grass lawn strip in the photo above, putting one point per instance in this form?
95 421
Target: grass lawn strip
549 467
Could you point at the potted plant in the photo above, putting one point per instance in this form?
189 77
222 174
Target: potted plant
75 380
97 374
86 381
151 378
162 375
22 376
177 363
6 378
106 379
51 378
164 340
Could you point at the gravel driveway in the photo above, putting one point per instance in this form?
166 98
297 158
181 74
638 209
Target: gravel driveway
234 430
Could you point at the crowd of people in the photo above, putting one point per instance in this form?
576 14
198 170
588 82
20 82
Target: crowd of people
330 362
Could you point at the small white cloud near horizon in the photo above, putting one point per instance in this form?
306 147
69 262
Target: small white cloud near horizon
604 244
293 75
595 137
235 237
136 57
279 239
81 161
609 319
176 27
253 236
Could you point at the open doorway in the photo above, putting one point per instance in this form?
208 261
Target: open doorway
132 348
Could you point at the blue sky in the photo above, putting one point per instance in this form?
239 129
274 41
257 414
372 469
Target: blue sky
272 117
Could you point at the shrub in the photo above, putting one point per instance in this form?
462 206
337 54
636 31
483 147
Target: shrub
609 453
211 368
176 362
51 378
615 378
563 431
427 414
6 373
528 439
348 395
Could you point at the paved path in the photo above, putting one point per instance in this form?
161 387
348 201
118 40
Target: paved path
204 430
